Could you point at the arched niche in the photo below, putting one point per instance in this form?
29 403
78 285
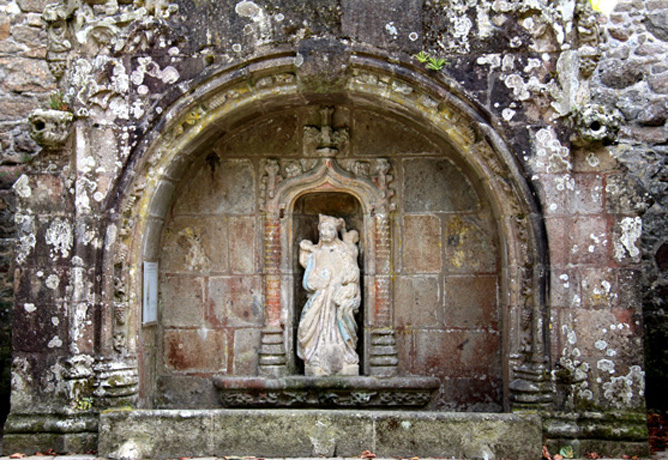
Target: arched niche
304 216
226 102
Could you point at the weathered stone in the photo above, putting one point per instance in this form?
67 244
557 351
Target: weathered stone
374 134
619 74
260 138
218 187
658 83
469 245
13 108
246 348
657 23
210 135
36 6
26 75
456 353
437 185
237 301
392 24
654 114
197 244
422 250
242 245
322 63
309 433
418 302
189 350
182 300
471 302
50 128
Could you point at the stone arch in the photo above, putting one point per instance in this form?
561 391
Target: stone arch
231 95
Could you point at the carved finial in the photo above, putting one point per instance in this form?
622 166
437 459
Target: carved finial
326 139
272 177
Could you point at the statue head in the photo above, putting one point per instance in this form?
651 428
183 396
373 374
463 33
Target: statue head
329 227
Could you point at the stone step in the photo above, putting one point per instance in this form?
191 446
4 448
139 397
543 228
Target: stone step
164 434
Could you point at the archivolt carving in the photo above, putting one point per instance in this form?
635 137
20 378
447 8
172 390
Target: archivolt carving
377 82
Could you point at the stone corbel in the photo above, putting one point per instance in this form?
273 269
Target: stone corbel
50 128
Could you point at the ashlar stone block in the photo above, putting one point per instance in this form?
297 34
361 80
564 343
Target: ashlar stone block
471 301
437 185
246 347
181 299
237 300
196 350
418 301
469 247
218 187
242 244
457 353
422 244
196 244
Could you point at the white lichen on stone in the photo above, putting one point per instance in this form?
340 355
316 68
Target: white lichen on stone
391 29
551 155
26 230
627 390
29 307
22 187
59 236
55 342
631 229
606 365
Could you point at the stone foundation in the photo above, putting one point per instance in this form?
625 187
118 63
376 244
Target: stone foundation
159 434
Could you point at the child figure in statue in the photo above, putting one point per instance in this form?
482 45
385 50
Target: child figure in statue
327 333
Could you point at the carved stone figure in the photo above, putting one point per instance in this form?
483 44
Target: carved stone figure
327 333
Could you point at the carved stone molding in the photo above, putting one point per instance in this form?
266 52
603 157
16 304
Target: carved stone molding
322 392
116 383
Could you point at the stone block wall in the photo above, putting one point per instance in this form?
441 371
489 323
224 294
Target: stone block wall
26 85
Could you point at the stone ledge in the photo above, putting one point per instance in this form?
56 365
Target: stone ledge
292 433
326 392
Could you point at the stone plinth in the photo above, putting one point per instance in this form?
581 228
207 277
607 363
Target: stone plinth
158 434
326 392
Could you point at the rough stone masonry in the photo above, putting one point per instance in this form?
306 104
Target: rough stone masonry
504 163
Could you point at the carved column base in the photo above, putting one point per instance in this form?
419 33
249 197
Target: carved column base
532 387
117 383
273 362
383 356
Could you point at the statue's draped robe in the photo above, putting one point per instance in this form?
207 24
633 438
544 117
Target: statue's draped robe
327 334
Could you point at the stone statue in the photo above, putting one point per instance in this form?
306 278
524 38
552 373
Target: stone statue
327 333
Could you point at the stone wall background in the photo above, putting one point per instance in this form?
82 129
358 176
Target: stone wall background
633 76
509 55
25 84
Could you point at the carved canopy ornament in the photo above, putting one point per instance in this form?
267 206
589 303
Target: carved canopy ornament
368 181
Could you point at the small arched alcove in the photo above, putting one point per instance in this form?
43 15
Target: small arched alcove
304 217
